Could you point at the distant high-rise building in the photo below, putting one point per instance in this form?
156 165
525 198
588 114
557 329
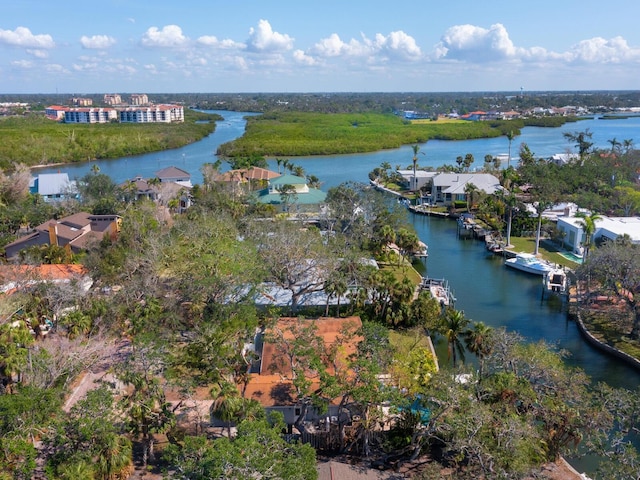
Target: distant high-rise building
112 99
82 102
139 99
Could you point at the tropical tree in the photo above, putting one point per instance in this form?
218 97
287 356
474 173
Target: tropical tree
453 328
588 224
510 136
468 160
479 342
470 190
615 145
416 150
581 141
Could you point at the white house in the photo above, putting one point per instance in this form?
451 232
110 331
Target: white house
450 187
607 228
421 179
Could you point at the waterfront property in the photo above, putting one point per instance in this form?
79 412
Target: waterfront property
75 232
291 194
164 113
607 229
53 186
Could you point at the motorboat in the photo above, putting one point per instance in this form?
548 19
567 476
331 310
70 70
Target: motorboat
556 281
529 263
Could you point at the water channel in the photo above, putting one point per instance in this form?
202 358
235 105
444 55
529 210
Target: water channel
485 289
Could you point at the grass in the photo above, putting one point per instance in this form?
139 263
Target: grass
609 325
547 250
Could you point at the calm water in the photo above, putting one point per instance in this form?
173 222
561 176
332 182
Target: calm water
485 289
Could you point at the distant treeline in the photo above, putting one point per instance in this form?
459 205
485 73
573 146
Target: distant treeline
35 140
429 103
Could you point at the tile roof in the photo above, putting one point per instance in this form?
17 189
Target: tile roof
271 386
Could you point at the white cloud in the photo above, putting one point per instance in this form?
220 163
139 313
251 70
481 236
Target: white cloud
22 37
600 50
264 39
333 46
212 41
97 41
169 36
55 68
470 42
38 53
300 57
22 63
398 45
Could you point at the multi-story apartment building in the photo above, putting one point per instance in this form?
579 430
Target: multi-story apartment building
82 102
112 99
90 115
152 114
55 112
139 99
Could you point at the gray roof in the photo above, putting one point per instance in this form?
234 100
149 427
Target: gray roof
54 184
455 183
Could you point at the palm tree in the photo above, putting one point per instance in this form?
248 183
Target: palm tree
416 150
510 136
470 190
615 144
453 328
588 224
628 145
478 341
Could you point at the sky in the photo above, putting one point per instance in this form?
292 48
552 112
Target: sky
227 46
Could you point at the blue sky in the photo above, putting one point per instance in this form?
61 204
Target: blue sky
94 46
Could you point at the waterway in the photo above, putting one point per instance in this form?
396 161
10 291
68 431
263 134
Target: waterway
485 289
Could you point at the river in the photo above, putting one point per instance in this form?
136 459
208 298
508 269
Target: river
485 289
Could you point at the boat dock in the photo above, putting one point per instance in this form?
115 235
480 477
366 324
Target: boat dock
439 289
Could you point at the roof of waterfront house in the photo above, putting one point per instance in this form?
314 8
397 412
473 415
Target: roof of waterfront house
455 183
47 184
609 227
246 174
271 385
172 172
14 277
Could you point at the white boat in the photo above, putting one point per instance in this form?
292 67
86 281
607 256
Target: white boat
556 281
527 262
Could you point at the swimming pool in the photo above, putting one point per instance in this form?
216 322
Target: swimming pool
572 257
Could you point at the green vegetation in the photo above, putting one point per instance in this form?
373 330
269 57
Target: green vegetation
35 140
300 133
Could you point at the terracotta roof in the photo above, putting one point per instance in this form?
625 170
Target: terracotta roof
11 276
243 175
271 386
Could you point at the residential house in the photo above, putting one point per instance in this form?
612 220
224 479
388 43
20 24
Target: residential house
15 277
291 193
421 178
53 186
607 229
139 188
447 188
270 377
75 232
174 175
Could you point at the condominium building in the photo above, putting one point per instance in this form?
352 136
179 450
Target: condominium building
112 99
152 114
90 115
55 112
139 99
82 102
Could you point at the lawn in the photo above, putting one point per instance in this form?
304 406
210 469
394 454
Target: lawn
547 250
